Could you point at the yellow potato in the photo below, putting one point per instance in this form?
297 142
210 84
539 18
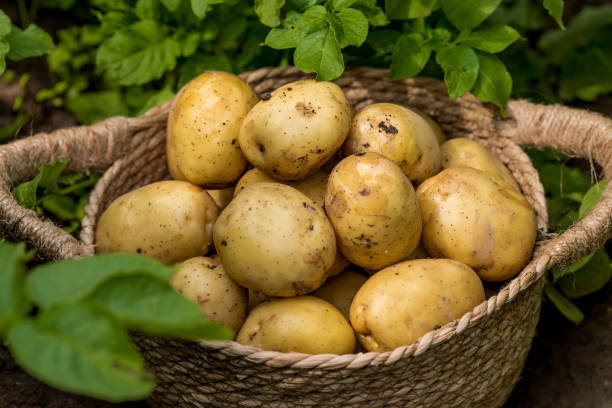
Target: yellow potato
399 134
303 324
434 126
202 143
462 152
253 176
168 220
296 130
274 239
475 218
204 281
374 210
339 265
341 290
256 298
222 197
313 186
401 303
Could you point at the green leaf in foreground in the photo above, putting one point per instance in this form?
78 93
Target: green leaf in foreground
592 197
31 42
75 279
78 349
555 9
319 52
409 56
149 304
564 305
13 302
468 14
268 11
492 39
460 65
494 83
590 278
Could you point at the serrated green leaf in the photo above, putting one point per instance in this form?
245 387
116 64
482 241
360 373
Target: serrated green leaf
355 27
13 302
592 197
320 52
555 9
460 65
466 15
74 279
171 5
492 39
201 7
78 349
138 54
564 305
149 304
409 9
494 83
31 42
5 24
409 56
589 279
268 11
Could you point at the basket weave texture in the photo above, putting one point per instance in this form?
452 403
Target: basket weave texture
471 362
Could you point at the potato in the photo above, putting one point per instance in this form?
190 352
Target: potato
419 253
399 134
341 290
475 218
252 176
468 153
256 298
373 208
434 126
339 265
203 127
204 281
222 197
303 324
401 303
295 131
274 239
313 186
169 220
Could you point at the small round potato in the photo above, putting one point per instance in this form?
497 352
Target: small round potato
295 131
274 239
477 219
341 290
401 303
222 197
373 208
169 220
399 134
204 281
303 324
462 152
202 143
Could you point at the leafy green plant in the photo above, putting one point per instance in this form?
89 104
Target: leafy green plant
67 323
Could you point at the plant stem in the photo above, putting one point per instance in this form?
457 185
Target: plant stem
24 15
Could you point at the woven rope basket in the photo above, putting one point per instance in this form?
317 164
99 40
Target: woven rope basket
471 362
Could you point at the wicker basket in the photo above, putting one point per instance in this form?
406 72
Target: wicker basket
471 362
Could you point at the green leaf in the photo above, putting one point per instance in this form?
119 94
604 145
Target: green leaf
201 7
268 11
31 42
47 178
5 24
78 349
466 15
384 41
171 5
409 9
409 56
198 63
341 4
561 180
60 206
74 279
4 49
147 9
286 36
564 305
375 15
354 26
492 39
590 278
25 193
460 65
157 99
559 272
592 197
91 107
138 54
494 83
555 9
149 304
320 52
586 74
13 301
189 42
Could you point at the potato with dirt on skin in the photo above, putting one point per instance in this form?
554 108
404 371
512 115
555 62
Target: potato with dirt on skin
204 281
400 135
302 324
373 208
401 303
475 218
297 129
253 176
169 220
202 144
462 152
274 239
222 197
340 290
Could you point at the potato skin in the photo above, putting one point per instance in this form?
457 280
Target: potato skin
203 127
462 152
340 290
274 239
169 220
475 218
205 281
302 324
373 208
222 197
296 130
399 134
401 303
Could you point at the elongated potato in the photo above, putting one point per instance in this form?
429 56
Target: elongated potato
202 143
168 220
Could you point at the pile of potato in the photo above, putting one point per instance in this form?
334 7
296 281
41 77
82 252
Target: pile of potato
310 232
